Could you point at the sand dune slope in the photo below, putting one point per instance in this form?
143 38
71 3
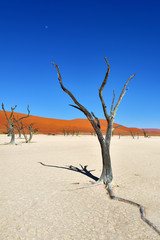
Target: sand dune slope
58 126
40 202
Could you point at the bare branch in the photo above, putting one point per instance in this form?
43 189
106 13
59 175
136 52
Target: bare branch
80 107
35 130
13 122
19 127
22 128
122 94
97 120
141 208
23 116
116 127
5 112
67 91
113 101
76 107
12 111
25 135
101 89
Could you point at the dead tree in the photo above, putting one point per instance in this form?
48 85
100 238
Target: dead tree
73 132
24 133
77 133
106 175
31 132
64 132
145 133
132 134
12 121
67 133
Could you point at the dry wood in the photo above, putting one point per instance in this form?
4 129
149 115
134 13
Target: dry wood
141 208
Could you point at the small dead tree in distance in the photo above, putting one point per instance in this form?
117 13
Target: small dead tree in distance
12 121
145 133
31 132
106 175
132 134
24 133
10 124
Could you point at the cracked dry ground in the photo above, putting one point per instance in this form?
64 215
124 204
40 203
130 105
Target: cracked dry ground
42 202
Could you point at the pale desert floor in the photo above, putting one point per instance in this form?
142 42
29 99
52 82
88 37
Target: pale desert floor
44 203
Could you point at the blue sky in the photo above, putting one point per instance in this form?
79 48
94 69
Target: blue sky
77 35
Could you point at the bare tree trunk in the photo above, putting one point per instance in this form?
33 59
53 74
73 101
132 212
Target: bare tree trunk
145 133
106 175
12 135
25 135
31 132
73 133
20 135
19 130
30 137
132 134
11 132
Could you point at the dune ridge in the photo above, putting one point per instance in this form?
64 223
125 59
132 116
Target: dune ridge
58 126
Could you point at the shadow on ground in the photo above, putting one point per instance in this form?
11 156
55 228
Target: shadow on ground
82 169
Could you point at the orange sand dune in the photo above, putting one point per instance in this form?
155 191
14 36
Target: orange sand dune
57 126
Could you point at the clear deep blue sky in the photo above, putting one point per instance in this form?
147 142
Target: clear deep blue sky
77 35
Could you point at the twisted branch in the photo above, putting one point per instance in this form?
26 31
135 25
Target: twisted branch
12 109
113 101
97 120
124 90
23 116
101 89
79 106
116 127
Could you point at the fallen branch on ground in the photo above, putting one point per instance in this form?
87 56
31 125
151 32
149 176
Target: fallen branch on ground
141 209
